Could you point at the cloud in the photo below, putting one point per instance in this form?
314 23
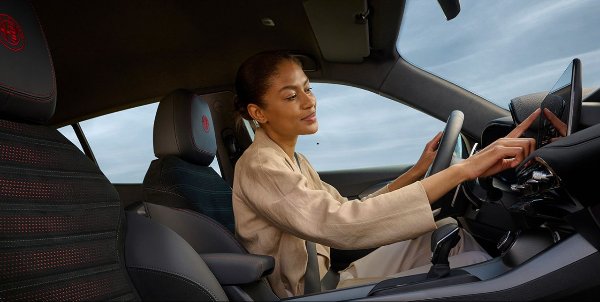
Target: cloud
358 129
499 50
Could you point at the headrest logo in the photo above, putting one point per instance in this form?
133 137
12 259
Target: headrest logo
11 33
205 123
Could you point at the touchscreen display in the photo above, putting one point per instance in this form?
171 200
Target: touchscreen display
564 101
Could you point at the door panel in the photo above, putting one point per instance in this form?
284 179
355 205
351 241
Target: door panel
356 183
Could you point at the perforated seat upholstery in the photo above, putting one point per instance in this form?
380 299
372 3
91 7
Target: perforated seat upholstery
61 223
60 218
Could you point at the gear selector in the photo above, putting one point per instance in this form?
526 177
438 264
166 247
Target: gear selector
442 241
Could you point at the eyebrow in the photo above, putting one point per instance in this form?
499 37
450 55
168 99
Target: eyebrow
292 86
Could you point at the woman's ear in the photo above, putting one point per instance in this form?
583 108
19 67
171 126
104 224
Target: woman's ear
256 113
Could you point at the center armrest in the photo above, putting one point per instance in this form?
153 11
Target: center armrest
237 269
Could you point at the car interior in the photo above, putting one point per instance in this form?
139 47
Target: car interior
68 233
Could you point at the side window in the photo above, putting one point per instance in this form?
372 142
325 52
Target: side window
360 129
69 133
122 143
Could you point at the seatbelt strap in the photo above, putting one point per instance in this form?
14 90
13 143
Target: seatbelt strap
312 280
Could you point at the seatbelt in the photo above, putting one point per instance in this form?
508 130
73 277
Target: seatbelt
312 280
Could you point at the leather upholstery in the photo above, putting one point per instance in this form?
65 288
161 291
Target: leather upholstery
238 269
227 259
156 256
27 82
184 194
183 127
185 144
204 234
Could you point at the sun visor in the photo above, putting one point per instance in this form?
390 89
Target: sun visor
341 28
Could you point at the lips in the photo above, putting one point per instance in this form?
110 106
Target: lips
311 117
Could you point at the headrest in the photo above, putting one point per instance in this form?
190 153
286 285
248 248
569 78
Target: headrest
27 83
183 127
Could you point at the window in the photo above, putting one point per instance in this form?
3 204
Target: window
122 143
69 133
359 129
503 49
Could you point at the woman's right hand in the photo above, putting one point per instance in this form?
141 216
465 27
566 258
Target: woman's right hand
502 154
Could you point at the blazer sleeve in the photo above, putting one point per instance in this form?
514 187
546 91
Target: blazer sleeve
283 196
336 194
332 190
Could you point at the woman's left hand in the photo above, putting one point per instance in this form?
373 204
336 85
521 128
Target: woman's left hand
428 155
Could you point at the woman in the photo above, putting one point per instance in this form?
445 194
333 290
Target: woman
279 200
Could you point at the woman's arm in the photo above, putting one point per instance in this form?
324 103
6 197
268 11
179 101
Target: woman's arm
285 197
503 154
420 168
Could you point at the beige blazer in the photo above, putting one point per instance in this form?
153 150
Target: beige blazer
278 206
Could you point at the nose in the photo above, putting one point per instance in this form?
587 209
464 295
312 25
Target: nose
309 100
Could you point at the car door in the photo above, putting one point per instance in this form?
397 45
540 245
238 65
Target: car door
364 140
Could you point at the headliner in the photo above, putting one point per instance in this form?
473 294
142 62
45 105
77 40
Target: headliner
112 55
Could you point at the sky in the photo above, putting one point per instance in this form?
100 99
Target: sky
503 49
496 49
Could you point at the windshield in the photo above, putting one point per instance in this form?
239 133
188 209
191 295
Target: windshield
503 49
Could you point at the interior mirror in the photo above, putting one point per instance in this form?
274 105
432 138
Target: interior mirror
451 8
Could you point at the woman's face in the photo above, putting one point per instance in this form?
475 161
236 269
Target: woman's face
289 106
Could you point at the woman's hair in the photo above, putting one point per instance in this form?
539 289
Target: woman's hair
253 78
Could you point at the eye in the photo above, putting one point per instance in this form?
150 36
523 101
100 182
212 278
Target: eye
292 97
308 90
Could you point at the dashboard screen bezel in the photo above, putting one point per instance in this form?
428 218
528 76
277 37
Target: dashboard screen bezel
567 108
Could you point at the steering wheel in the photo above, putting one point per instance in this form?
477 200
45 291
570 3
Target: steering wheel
447 143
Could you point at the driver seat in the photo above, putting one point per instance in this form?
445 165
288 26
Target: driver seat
180 190
183 193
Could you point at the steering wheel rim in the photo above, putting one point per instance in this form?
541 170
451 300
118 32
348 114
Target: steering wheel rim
445 149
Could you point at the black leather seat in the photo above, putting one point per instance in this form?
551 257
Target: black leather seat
185 145
62 229
180 190
183 193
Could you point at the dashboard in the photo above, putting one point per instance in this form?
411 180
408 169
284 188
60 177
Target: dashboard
553 193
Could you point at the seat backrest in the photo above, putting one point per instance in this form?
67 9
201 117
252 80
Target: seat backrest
185 145
61 225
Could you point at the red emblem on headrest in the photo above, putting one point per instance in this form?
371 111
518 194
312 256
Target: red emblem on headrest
11 34
205 123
